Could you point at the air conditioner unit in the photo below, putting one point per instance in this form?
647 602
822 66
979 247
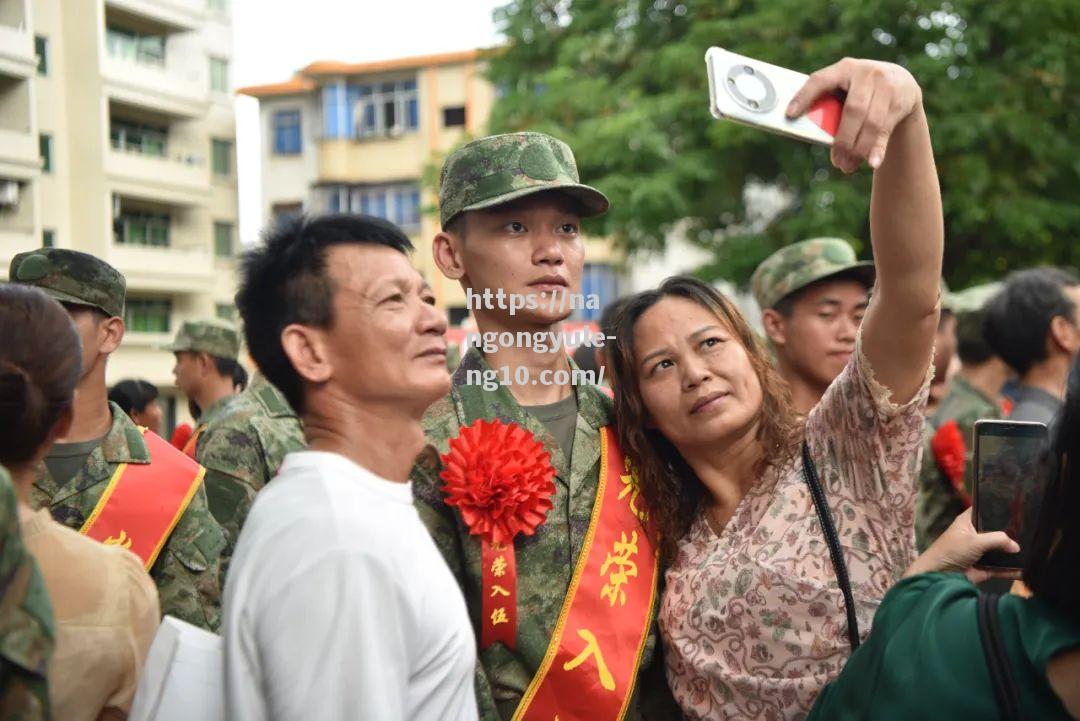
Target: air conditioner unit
9 193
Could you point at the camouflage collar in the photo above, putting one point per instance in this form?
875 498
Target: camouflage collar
266 395
124 442
216 411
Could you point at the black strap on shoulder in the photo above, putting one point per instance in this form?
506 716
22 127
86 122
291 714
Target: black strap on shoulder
997 660
832 539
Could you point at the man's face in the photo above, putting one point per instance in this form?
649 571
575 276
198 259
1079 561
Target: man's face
531 246
88 324
1072 340
817 339
944 346
187 373
387 342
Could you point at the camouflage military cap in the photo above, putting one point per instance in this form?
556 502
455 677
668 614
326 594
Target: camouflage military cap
798 265
207 336
971 300
71 277
500 168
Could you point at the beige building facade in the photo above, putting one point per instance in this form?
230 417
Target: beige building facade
117 138
359 137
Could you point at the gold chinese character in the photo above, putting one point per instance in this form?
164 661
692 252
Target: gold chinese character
497 590
498 567
123 540
630 488
592 648
626 569
499 616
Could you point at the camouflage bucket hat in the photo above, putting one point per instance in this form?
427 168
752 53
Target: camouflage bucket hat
500 168
798 265
207 336
71 276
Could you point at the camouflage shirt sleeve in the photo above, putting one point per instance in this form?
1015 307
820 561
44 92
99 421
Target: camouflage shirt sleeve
188 572
441 524
235 471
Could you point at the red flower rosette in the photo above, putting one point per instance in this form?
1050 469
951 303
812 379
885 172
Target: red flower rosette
950 452
500 478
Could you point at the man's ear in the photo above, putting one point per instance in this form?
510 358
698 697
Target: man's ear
111 334
445 248
775 326
1064 334
305 347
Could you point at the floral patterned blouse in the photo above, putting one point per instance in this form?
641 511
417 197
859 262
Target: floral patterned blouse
753 621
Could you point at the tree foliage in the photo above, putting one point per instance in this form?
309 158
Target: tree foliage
624 83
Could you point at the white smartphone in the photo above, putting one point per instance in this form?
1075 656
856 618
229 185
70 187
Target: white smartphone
755 93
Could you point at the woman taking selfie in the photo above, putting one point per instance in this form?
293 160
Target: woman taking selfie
753 617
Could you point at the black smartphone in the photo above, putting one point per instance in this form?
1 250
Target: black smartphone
1008 488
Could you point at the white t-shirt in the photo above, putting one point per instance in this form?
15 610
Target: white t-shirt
339 607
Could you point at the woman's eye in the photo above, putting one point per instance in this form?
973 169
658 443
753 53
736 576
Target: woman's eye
710 342
661 365
515 227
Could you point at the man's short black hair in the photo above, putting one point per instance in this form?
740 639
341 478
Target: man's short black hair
1018 318
284 281
132 394
971 345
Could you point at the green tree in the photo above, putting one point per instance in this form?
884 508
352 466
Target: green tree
624 83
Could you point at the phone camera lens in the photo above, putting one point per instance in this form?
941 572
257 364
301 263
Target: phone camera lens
749 70
731 82
752 103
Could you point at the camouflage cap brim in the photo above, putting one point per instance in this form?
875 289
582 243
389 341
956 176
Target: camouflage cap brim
593 202
68 299
863 271
175 347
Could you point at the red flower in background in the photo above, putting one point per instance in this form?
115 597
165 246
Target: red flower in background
950 453
500 478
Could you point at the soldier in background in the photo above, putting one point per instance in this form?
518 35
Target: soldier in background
812 296
178 540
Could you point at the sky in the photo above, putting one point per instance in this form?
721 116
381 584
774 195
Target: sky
274 38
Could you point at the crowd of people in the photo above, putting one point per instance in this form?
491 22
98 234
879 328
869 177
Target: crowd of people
731 530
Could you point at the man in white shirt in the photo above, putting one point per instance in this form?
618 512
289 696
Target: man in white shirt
338 607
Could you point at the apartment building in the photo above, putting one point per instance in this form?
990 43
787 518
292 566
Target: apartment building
117 138
359 137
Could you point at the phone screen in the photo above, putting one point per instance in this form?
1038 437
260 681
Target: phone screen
1008 489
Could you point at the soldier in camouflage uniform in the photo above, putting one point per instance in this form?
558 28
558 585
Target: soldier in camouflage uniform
974 394
488 175
812 296
27 630
223 442
187 572
243 447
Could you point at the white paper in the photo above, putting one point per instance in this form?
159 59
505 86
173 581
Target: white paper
183 678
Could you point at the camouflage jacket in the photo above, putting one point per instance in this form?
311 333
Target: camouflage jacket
938 505
244 442
545 560
27 629
188 571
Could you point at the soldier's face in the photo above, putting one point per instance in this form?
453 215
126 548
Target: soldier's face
697 382
89 325
387 341
186 372
529 248
817 339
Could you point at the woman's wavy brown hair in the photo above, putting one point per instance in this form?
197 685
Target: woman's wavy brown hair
669 487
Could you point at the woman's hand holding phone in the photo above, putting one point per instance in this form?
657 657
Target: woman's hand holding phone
879 97
961 547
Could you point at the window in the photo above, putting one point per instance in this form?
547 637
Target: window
142 315
41 50
453 117
142 228
222 156
138 138
598 280
223 240
45 149
48 238
225 311
284 211
287 132
219 75
399 203
218 6
370 110
136 47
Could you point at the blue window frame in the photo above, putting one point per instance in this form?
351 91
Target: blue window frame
287 132
399 203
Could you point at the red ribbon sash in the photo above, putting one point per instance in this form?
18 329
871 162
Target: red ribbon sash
591 665
143 503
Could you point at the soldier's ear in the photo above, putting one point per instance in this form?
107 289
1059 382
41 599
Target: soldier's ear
446 249
775 328
111 333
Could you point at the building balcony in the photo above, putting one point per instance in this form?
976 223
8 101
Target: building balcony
382 160
19 158
173 269
175 14
177 92
17 52
177 178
